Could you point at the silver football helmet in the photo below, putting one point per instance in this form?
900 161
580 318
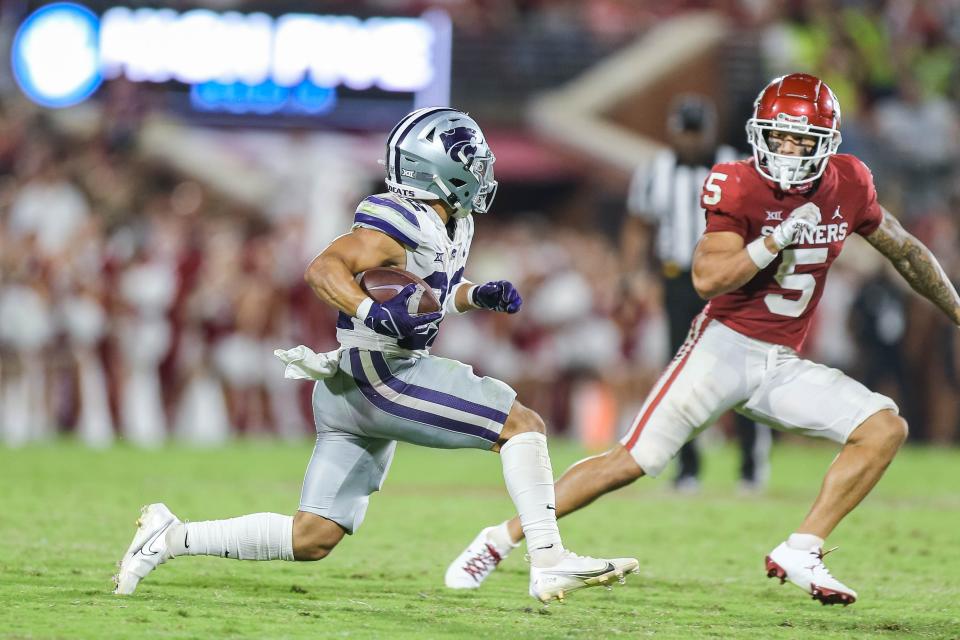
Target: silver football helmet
439 153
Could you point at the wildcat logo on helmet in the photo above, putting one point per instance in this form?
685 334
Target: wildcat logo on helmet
460 143
439 153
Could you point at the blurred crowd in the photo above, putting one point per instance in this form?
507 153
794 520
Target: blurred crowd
135 300
140 302
893 65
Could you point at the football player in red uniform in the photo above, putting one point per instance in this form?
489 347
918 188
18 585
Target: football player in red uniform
775 223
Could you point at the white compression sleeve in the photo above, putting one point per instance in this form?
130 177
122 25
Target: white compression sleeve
529 478
258 536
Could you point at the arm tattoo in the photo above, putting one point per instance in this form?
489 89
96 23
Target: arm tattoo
916 264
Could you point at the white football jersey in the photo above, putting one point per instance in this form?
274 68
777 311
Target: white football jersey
431 255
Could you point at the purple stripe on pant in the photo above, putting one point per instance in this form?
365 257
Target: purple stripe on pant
408 413
431 395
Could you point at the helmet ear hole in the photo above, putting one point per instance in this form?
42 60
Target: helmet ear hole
457 182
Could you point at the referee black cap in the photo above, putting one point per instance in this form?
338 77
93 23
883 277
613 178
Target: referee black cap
691 113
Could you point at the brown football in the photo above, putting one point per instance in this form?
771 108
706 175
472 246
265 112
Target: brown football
383 283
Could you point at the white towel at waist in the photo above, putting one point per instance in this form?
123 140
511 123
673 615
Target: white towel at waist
303 364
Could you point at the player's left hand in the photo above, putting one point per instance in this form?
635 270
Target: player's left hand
497 296
804 217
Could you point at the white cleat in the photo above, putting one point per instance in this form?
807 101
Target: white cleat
805 569
578 572
148 549
475 563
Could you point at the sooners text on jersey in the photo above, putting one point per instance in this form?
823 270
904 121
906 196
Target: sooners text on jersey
778 303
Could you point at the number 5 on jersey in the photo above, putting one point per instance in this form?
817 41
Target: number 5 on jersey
711 195
802 282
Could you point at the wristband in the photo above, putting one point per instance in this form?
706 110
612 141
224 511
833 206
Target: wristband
759 254
363 310
450 304
472 297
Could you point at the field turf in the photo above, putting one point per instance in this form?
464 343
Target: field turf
67 514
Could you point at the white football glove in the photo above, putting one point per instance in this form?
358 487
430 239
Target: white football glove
806 216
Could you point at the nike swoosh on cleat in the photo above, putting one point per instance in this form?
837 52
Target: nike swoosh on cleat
186 545
550 506
148 544
593 574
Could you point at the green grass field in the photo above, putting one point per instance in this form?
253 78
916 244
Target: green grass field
67 514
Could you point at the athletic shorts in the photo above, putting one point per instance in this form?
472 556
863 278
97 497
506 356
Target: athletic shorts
717 369
375 400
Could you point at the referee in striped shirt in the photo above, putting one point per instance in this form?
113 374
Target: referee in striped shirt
664 199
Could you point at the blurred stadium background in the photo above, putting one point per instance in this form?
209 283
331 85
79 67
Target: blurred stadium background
166 175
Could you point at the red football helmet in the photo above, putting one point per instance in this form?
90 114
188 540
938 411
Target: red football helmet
801 104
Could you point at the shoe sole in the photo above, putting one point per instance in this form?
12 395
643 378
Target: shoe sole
604 580
821 594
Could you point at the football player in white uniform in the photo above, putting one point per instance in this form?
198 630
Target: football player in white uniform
382 385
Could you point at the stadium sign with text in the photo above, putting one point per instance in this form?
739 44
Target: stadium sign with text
234 62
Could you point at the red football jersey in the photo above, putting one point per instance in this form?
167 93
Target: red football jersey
778 303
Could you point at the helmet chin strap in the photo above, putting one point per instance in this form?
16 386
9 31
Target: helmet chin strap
457 209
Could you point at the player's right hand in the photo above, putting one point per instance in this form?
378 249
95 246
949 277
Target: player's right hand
394 319
806 216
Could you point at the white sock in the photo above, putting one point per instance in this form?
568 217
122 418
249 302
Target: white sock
258 536
499 537
529 478
804 541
